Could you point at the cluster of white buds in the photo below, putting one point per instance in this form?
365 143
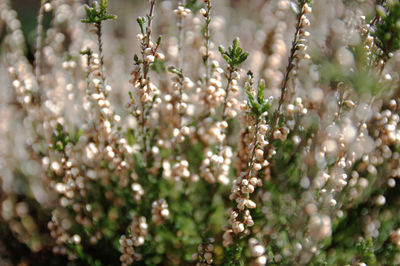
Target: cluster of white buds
150 52
204 254
177 102
306 11
239 226
95 74
232 103
159 211
297 107
180 170
128 253
245 184
145 91
241 188
258 251
72 182
218 131
100 99
91 151
281 133
19 69
180 134
302 43
227 237
388 121
214 94
138 233
339 180
258 158
319 227
182 11
138 191
104 120
243 153
368 40
214 133
58 233
180 85
215 168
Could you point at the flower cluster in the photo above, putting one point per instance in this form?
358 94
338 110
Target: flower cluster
136 238
204 254
295 162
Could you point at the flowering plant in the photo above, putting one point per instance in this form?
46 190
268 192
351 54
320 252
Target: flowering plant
281 149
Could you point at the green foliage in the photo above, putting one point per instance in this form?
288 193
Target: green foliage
390 253
97 13
142 24
62 138
87 52
387 32
365 251
234 255
258 105
84 256
175 71
361 79
194 5
158 65
234 56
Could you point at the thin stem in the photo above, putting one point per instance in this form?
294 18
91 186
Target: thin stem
237 250
181 37
180 112
101 55
284 88
39 43
149 20
253 152
148 39
289 69
377 16
146 66
224 116
207 43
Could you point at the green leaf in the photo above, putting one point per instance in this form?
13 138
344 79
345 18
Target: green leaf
142 21
159 40
176 71
243 57
234 56
260 93
95 16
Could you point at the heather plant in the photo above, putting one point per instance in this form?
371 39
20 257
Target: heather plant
145 141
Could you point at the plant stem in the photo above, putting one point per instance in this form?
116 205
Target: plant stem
289 69
207 43
101 55
284 88
181 37
39 43
146 69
